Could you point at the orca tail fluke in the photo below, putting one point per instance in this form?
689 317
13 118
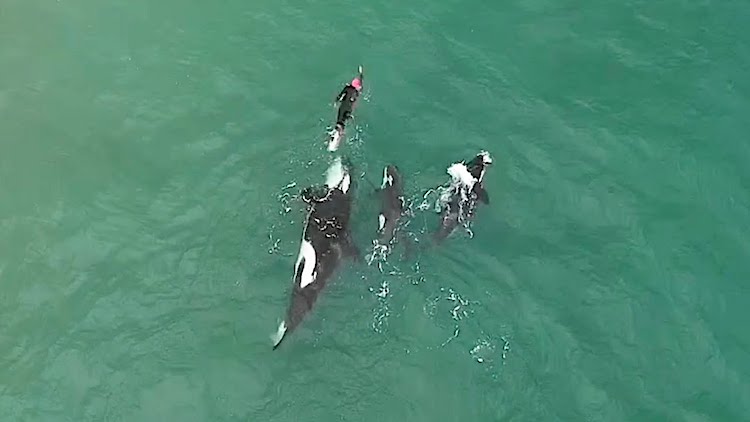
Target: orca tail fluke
278 336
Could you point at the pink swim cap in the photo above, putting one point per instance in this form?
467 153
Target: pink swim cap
357 84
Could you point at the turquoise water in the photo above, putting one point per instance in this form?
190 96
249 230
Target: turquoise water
148 233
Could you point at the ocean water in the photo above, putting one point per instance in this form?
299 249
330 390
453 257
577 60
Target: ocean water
151 154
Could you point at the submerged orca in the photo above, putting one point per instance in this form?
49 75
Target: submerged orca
391 204
326 240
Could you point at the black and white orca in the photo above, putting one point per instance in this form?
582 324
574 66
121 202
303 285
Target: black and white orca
391 204
326 241
466 190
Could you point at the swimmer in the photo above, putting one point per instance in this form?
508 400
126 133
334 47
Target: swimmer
346 100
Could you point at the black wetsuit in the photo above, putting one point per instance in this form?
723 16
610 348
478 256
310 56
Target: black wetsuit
346 98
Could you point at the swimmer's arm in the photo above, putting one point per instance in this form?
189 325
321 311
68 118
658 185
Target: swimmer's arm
341 94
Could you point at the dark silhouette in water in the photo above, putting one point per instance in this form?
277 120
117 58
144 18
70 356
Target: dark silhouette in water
466 192
326 240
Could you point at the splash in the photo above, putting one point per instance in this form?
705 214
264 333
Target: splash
335 173
485 351
381 313
334 140
444 195
275 247
461 305
444 199
383 290
378 254
461 176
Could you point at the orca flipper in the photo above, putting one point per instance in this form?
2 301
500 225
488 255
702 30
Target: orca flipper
279 335
482 194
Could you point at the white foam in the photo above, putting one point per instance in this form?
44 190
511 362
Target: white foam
306 252
338 176
486 159
444 197
335 173
460 174
387 179
333 143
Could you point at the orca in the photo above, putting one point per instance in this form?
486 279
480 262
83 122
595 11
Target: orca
391 204
464 193
326 241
